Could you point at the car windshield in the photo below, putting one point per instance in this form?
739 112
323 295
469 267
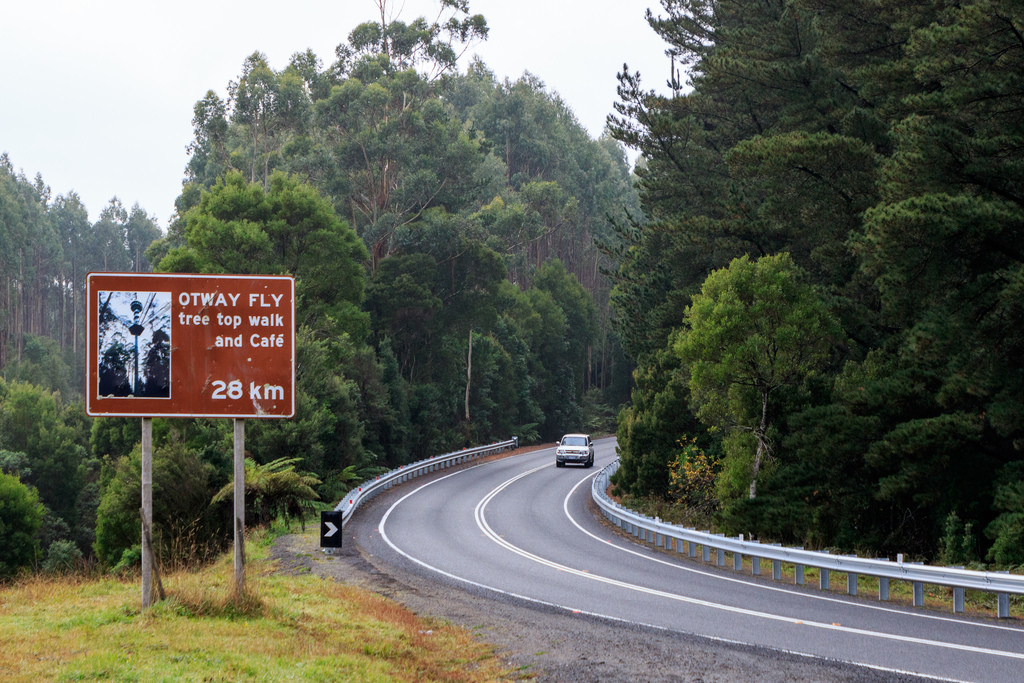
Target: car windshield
574 441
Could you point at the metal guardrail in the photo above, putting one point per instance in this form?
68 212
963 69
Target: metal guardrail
372 487
661 534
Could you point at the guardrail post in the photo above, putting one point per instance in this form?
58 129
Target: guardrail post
776 564
1003 602
958 600
957 578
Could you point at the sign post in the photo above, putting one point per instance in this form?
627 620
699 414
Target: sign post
172 345
239 507
147 511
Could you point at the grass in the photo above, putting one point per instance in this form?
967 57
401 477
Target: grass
285 627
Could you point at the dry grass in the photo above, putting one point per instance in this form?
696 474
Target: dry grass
285 628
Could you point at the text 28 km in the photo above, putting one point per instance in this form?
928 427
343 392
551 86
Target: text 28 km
235 390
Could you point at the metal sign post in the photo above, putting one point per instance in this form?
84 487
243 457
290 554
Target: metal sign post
147 511
172 345
239 517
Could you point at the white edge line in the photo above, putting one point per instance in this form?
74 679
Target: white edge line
810 595
594 577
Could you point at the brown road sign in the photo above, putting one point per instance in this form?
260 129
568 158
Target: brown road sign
170 345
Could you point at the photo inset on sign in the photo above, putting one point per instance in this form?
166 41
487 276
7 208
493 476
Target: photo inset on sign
134 344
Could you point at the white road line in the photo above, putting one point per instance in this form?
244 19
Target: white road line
778 589
485 527
479 514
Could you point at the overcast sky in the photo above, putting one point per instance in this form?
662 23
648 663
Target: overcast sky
97 96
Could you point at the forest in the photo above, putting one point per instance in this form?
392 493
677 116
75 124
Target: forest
825 305
799 313
448 234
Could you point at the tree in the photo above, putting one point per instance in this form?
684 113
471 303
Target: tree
185 526
942 247
208 155
109 238
755 328
1007 529
438 43
72 221
52 436
140 231
580 318
238 227
649 429
272 107
396 150
21 513
402 306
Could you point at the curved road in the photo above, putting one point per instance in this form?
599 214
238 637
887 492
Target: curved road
522 528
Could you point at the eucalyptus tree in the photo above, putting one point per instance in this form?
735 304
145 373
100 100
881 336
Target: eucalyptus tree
434 45
209 152
397 149
109 237
72 223
271 107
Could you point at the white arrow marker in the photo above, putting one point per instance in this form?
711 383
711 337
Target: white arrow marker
331 531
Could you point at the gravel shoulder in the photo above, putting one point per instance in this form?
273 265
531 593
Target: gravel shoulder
547 644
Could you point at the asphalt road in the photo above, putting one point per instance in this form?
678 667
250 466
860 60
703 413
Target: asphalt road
520 529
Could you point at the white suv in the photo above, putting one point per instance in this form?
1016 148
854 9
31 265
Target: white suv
577 448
